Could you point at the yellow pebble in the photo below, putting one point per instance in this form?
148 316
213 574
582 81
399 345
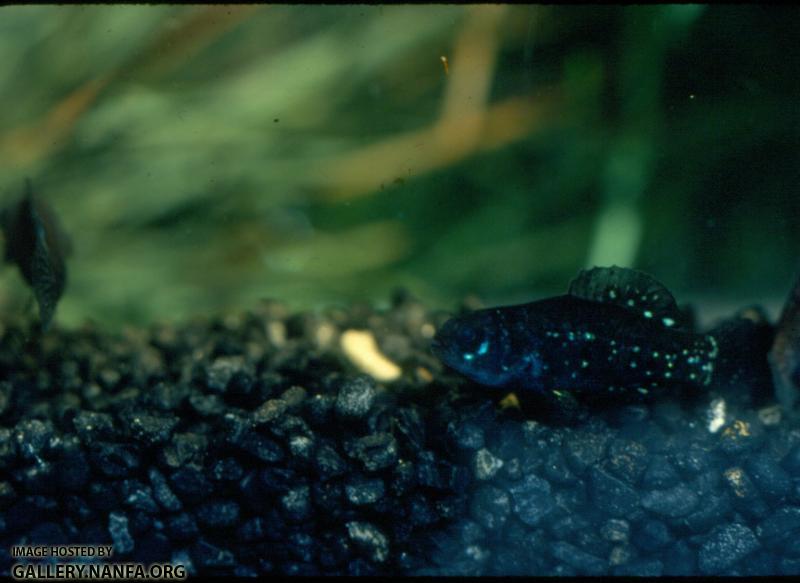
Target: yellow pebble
509 401
360 347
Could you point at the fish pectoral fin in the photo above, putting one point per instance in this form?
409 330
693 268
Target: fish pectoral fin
630 289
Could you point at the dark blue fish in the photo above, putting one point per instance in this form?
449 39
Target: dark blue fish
35 241
616 329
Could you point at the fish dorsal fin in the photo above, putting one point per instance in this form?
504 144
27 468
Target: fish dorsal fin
628 288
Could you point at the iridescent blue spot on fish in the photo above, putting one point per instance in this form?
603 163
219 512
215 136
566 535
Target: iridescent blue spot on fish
546 345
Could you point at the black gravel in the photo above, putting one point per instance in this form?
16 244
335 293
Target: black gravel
252 445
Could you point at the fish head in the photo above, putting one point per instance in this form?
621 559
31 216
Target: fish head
479 346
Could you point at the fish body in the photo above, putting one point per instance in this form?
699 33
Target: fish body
615 330
36 242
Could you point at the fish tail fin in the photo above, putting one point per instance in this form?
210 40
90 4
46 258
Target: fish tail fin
784 358
743 344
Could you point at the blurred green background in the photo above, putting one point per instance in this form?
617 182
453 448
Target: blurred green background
203 158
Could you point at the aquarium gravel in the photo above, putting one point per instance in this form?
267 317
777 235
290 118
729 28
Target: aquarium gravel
257 443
